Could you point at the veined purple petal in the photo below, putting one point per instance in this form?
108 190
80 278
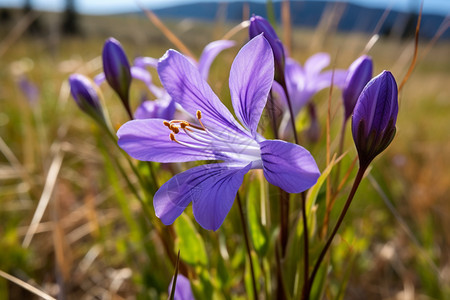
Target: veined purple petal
251 78
316 63
183 290
288 166
375 116
211 189
378 104
148 140
209 54
183 82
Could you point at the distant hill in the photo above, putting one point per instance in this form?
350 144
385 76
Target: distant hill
308 14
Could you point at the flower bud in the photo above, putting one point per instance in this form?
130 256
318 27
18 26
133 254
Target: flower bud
183 288
117 69
86 96
359 74
375 116
260 25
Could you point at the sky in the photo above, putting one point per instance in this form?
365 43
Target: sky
441 7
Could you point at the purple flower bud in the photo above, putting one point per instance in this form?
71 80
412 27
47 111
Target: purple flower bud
260 25
183 290
86 96
117 69
359 74
375 116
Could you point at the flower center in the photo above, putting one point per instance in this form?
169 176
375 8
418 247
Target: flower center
225 145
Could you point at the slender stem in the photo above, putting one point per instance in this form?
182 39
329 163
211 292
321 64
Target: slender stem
281 291
272 116
356 183
291 112
306 248
247 244
284 220
130 163
129 113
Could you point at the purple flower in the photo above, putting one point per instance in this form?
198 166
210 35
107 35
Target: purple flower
216 135
117 69
29 89
375 116
303 83
163 108
260 25
183 290
359 74
86 97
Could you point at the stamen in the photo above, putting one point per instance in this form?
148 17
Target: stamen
166 123
199 115
172 137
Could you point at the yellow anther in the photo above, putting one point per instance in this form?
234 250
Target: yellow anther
175 129
199 114
166 123
172 137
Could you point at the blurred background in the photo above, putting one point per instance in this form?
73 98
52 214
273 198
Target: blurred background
66 218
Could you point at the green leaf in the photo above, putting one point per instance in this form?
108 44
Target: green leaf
314 191
189 242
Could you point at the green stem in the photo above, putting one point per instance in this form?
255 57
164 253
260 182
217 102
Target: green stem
284 221
305 248
356 183
247 244
272 117
291 112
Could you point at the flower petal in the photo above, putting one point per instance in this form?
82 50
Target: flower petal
251 78
183 82
209 54
143 75
323 80
317 63
183 290
211 189
145 61
160 108
148 140
288 166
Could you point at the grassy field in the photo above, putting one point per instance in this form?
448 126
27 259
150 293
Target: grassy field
92 239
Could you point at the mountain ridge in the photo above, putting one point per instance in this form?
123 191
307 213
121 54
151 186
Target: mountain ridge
308 14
